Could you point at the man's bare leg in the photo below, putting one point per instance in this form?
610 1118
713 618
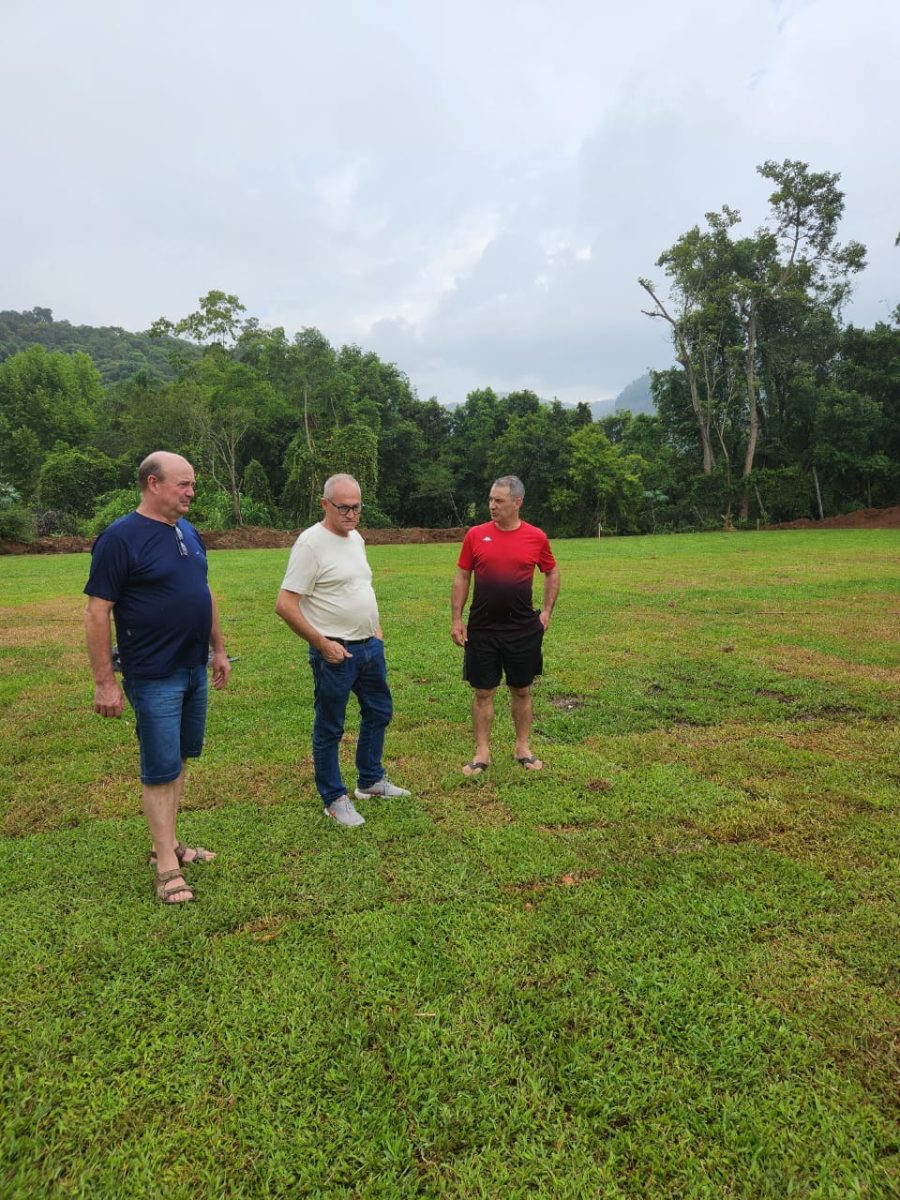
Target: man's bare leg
160 809
482 720
191 854
521 708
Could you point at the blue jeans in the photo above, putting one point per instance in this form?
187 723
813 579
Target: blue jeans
365 674
170 720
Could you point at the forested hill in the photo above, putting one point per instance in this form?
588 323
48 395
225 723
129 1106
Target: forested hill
117 354
637 397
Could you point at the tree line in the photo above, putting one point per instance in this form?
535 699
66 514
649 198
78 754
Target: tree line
772 410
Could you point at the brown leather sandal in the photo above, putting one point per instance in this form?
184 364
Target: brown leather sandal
166 889
201 855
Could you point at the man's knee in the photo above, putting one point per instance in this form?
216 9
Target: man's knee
521 693
484 695
379 711
328 725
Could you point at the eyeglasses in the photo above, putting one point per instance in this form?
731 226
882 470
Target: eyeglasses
345 509
179 538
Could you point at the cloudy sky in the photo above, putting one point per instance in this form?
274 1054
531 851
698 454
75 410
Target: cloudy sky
471 189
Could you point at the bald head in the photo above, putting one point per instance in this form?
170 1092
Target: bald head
160 464
167 486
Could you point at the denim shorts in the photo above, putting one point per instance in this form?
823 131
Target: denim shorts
170 719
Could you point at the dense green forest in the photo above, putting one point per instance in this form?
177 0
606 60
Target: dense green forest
773 409
116 354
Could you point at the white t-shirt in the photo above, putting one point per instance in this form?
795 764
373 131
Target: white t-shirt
333 578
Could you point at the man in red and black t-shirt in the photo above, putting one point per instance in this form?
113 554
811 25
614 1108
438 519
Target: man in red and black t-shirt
505 632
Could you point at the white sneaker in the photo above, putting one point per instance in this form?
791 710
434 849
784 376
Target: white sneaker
342 811
383 787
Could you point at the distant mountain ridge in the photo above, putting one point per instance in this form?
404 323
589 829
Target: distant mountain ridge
635 396
117 354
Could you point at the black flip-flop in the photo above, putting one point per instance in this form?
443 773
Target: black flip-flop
476 768
528 759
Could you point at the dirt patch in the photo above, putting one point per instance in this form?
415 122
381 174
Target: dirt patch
865 518
249 537
48 545
598 785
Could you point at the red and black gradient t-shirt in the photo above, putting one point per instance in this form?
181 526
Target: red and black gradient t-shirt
503 562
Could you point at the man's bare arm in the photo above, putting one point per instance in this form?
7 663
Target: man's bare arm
108 698
551 591
459 594
221 667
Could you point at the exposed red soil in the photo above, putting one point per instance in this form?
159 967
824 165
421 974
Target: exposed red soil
48 545
864 518
249 537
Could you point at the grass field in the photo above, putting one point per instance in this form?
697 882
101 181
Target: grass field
666 966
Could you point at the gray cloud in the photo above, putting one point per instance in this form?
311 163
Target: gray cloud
470 191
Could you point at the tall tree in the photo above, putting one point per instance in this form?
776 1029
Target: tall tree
700 315
216 322
222 397
795 254
730 296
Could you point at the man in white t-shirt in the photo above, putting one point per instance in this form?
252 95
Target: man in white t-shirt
327 599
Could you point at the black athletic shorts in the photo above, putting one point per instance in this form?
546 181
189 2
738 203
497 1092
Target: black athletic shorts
489 655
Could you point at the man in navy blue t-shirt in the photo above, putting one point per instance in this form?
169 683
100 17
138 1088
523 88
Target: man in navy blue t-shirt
148 570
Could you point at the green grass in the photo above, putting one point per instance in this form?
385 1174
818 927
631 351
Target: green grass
666 966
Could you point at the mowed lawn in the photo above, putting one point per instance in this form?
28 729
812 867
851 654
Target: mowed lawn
666 966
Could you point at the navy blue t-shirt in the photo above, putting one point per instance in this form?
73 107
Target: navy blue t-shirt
162 604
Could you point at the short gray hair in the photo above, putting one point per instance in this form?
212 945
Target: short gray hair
152 465
341 477
515 485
